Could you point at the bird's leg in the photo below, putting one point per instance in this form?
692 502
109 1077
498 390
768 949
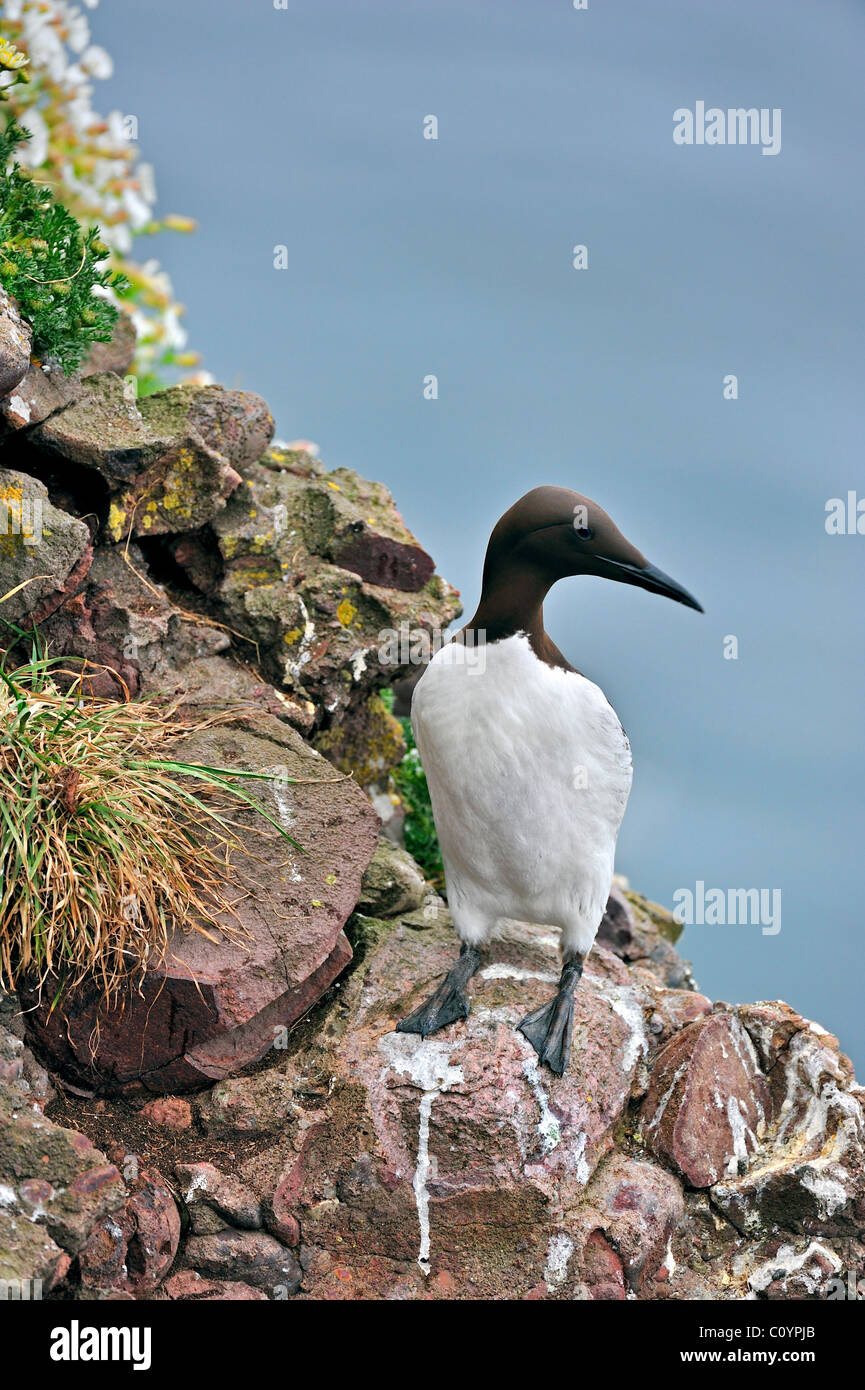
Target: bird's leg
449 1001
549 1028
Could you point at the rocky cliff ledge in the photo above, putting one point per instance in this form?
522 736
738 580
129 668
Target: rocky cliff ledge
248 1125
692 1150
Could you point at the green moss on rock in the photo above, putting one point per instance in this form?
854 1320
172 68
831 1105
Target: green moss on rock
656 916
368 746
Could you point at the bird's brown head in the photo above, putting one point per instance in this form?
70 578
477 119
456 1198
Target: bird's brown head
554 533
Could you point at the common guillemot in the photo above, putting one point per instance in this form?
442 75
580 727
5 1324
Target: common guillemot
528 766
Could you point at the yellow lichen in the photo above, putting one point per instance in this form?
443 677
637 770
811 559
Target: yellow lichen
116 521
346 612
12 503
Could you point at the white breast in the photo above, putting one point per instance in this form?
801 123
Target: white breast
529 772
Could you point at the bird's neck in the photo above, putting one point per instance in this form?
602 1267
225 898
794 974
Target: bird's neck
512 600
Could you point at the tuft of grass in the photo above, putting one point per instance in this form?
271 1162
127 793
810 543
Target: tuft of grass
108 843
419 831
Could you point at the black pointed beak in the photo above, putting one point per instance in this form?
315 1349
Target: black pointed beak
651 578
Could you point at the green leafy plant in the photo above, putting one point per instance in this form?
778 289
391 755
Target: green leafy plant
419 830
108 842
50 68
50 264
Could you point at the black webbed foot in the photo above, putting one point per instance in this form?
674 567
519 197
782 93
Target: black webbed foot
449 1002
549 1028
447 1005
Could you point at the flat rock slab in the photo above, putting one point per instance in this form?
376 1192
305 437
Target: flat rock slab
320 569
213 1007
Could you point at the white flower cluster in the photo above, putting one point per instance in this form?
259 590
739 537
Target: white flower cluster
109 187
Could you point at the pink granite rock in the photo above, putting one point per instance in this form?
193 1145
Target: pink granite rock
448 1154
42 548
708 1103
639 1206
673 1008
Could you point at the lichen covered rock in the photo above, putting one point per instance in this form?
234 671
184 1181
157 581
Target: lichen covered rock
310 578
289 580
367 744
54 1189
169 460
42 548
392 883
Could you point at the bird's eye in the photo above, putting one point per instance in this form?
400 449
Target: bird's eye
585 533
